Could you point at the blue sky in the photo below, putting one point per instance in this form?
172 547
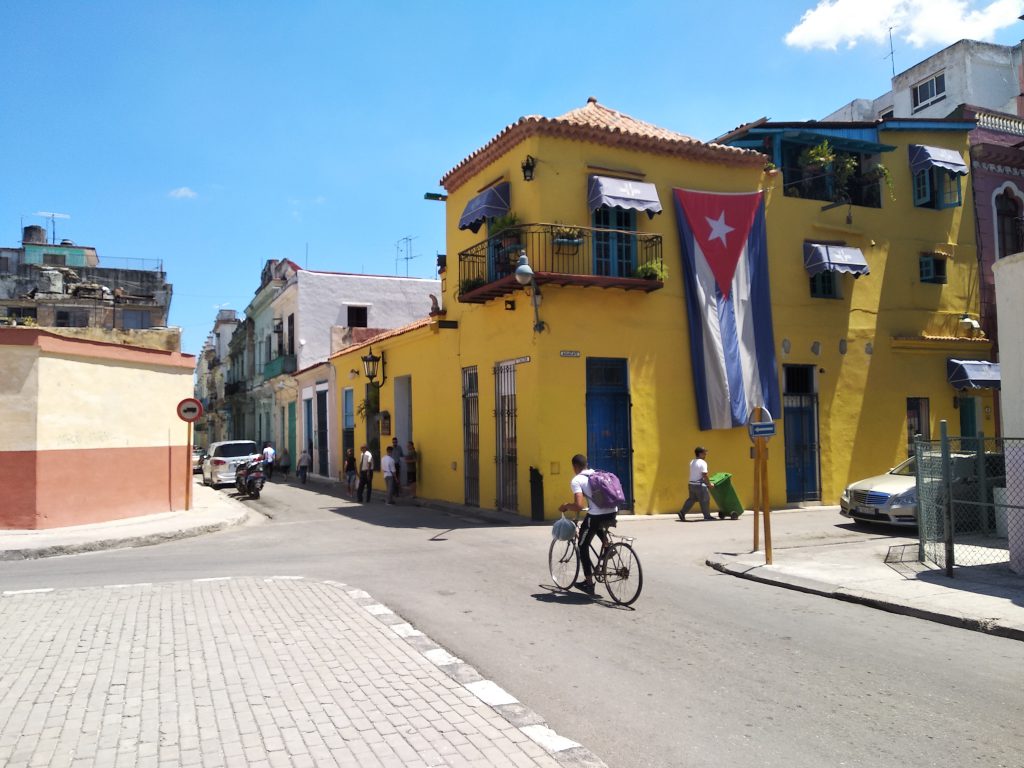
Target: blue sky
216 135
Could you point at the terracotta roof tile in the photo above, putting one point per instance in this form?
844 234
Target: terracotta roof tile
597 123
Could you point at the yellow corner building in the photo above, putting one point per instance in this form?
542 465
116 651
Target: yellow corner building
621 290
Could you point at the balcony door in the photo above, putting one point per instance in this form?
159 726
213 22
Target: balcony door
614 242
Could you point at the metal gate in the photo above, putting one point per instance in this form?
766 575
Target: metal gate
505 434
471 436
800 420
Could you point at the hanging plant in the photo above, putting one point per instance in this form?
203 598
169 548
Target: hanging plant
880 173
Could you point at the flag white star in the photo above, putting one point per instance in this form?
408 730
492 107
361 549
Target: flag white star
719 229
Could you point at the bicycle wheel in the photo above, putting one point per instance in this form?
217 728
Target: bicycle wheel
623 577
564 563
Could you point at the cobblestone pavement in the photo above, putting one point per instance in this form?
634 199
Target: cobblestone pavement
246 672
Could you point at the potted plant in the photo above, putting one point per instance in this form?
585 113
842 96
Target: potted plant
652 270
471 284
817 157
563 235
880 173
506 228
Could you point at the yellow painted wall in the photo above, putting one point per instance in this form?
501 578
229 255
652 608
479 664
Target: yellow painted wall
862 394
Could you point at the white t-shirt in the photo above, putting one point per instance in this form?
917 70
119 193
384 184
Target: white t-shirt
387 464
698 468
268 455
581 484
366 462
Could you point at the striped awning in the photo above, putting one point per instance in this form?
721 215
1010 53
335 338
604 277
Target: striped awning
819 257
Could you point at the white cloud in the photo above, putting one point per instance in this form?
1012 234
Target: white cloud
832 23
181 193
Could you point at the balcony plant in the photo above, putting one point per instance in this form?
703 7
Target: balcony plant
506 228
880 173
563 235
471 284
652 270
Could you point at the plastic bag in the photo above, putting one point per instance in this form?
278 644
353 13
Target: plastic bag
563 529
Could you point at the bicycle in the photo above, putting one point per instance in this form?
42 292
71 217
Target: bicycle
618 566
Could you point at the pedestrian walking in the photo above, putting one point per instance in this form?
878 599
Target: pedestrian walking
387 465
284 461
365 474
268 460
699 485
349 468
302 467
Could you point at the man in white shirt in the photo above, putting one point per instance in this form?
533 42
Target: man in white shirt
596 523
387 465
365 474
268 460
699 485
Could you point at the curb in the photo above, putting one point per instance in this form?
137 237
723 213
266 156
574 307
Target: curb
869 599
567 752
125 542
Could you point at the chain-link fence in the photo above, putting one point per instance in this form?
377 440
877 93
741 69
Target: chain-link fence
970 497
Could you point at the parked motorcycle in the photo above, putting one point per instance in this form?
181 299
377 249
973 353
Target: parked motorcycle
249 477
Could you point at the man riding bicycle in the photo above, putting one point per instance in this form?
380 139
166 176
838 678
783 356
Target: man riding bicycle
597 520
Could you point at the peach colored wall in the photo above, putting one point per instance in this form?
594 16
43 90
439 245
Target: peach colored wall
94 430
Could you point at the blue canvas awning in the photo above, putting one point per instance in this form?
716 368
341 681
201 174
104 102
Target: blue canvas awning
972 374
623 193
834 258
923 157
492 202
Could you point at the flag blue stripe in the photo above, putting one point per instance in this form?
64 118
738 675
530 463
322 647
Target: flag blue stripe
695 318
761 300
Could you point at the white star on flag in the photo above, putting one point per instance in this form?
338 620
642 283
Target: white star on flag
719 229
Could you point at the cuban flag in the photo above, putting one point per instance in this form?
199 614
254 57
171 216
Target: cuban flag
728 305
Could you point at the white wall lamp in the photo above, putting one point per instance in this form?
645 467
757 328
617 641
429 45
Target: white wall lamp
371 364
526 278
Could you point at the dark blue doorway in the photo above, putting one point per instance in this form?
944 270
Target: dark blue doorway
609 443
800 426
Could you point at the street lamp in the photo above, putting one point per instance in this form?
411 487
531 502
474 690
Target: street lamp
526 278
371 362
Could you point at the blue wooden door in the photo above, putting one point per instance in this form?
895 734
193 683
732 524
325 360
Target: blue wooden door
609 442
800 423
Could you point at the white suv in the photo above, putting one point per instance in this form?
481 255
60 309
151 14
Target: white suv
219 467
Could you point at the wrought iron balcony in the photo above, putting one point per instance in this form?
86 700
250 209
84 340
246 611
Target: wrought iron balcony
561 255
279 365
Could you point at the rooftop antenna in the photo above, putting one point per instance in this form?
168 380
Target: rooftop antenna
892 54
53 224
407 241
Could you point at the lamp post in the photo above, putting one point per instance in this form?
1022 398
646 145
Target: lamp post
526 278
371 363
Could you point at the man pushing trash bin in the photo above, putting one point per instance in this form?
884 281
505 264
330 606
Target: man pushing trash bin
699 485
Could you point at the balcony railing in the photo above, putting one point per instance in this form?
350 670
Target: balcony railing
279 365
561 255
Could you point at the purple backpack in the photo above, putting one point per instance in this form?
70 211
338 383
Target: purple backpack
605 489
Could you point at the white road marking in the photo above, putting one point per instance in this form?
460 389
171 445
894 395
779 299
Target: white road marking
9 592
127 586
441 657
214 578
406 630
547 738
490 693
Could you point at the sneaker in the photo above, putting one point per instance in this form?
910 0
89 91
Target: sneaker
682 517
582 586
708 517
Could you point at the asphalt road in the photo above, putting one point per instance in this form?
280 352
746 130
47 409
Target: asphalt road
707 670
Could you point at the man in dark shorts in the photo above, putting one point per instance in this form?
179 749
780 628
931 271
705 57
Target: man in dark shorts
596 523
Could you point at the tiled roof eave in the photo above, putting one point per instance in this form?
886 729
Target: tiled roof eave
532 126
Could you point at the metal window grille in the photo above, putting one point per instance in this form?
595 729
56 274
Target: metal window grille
471 436
505 436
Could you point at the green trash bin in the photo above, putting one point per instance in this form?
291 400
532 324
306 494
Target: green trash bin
728 503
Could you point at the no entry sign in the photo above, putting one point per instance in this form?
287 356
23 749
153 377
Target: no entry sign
190 410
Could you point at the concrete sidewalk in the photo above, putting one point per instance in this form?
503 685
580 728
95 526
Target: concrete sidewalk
211 511
988 598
